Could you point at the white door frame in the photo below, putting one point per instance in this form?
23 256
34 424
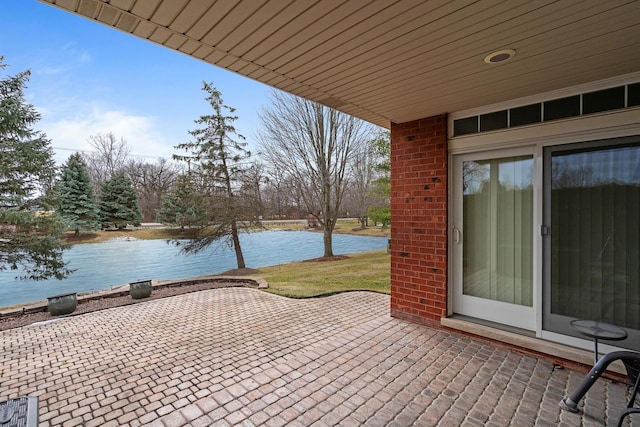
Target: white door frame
495 311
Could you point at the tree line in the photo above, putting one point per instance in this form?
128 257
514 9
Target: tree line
312 162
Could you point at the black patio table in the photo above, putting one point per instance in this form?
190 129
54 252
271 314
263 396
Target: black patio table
631 360
598 330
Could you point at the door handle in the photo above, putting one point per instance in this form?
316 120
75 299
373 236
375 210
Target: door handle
456 236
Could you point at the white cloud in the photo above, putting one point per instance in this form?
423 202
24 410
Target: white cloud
52 71
71 134
75 54
60 62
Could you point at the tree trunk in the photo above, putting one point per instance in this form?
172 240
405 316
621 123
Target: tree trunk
236 245
328 238
232 207
328 223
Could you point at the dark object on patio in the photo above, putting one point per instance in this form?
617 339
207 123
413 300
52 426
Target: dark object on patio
598 330
631 361
19 412
141 289
62 304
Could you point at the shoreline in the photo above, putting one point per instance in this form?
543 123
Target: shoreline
33 295
123 289
37 313
152 231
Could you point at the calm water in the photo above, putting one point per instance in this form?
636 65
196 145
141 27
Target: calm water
103 265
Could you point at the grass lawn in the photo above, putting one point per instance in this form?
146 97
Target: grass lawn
368 271
350 226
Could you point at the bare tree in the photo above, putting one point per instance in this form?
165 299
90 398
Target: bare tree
273 195
152 181
314 145
280 196
108 159
252 181
363 173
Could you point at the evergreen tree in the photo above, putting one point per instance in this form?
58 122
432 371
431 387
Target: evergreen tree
119 203
29 231
183 206
217 156
76 201
380 211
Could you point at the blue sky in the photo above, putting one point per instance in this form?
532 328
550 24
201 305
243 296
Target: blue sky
90 79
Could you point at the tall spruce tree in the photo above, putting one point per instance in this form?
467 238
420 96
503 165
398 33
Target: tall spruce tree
29 230
76 202
119 203
217 157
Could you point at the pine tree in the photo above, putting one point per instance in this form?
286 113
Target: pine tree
119 203
183 206
29 231
217 156
76 202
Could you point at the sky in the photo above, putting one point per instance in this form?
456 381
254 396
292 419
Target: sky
89 79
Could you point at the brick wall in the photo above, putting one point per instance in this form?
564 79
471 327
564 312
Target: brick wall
419 220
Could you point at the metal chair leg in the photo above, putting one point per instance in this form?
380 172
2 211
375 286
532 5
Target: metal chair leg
571 403
630 409
626 413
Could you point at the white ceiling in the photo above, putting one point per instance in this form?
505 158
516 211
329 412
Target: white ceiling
391 61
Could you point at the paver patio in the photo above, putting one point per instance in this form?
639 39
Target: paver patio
239 356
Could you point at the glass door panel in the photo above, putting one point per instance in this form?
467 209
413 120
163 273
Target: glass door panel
493 238
592 255
498 223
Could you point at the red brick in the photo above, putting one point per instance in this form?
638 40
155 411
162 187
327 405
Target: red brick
419 227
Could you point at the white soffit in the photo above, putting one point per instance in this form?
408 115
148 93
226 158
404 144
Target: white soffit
391 61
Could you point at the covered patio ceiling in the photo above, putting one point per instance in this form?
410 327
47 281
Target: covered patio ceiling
391 60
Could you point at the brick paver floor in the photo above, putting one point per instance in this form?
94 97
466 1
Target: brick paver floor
241 356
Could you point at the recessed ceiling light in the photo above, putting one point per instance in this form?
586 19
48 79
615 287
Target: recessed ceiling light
500 56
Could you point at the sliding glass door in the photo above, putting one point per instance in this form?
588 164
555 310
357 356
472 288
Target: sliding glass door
592 244
493 237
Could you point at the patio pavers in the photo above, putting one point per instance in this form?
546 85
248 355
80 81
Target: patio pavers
239 356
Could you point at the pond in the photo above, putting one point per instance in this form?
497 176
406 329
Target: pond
103 265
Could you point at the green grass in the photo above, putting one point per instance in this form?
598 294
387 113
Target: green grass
368 271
